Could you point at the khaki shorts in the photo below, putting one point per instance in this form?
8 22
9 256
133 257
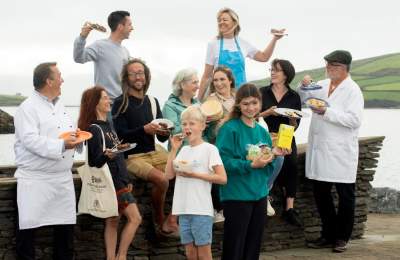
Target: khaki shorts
141 164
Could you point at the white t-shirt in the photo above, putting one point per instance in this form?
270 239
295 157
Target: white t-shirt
191 195
212 55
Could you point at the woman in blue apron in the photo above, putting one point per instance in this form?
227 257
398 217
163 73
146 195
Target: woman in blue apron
230 50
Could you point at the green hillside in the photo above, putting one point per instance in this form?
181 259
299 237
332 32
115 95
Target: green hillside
11 100
378 77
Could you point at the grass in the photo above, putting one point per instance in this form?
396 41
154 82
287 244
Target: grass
384 87
378 77
382 95
11 100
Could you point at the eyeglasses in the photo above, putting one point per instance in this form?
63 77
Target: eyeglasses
274 70
192 81
136 74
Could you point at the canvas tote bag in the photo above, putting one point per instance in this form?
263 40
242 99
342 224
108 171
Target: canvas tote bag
98 197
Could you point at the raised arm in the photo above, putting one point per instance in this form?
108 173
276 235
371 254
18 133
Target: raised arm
82 54
265 55
175 142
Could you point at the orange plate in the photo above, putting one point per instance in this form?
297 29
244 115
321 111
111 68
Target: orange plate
81 135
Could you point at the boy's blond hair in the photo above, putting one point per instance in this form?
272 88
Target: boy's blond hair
193 113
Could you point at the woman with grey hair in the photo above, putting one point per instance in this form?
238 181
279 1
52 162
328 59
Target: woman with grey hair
230 50
184 88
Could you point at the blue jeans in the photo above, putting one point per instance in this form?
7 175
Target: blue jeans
278 166
196 229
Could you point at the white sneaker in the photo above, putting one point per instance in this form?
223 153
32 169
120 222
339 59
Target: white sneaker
270 209
219 216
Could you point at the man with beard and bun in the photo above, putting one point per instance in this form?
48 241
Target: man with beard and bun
133 113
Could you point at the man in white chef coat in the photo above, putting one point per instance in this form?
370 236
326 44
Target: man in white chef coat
332 152
45 190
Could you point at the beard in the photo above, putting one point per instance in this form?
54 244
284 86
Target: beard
137 85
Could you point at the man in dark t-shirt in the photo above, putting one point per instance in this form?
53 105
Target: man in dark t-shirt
133 113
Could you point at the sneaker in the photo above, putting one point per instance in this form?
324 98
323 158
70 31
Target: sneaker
270 209
219 216
320 243
340 246
292 217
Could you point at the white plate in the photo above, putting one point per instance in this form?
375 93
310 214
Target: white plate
169 123
310 87
182 167
131 146
288 112
280 34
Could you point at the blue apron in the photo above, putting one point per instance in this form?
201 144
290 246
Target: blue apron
233 60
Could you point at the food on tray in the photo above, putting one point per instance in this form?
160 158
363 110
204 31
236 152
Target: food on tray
164 123
182 166
316 102
291 114
255 151
123 146
79 135
279 32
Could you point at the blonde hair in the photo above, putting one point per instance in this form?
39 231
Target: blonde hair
193 113
235 18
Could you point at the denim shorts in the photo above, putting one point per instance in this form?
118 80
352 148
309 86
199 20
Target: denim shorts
196 229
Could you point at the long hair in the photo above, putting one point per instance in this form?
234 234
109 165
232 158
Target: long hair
125 83
287 69
245 91
90 99
228 72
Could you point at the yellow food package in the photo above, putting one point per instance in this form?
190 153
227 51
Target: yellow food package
285 136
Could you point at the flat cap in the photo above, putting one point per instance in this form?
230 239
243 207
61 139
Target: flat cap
339 56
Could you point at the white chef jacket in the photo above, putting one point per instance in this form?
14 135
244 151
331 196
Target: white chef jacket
332 152
45 189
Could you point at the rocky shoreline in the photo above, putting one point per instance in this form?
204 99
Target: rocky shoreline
384 200
6 123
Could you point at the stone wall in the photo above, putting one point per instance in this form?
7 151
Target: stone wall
277 235
384 200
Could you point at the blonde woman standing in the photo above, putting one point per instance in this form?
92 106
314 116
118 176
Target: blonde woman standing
230 50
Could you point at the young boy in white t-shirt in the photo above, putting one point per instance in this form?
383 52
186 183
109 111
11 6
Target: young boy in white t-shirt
196 166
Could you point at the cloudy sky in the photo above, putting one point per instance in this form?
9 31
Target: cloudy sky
171 35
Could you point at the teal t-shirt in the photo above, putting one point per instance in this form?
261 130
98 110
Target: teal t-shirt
244 182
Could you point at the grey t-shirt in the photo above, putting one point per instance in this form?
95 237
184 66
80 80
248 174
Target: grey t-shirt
108 57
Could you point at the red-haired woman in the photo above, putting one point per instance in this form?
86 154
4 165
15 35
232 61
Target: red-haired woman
95 105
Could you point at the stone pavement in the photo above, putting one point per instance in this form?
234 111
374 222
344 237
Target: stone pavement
381 241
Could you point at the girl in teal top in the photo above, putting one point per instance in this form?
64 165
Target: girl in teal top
244 196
